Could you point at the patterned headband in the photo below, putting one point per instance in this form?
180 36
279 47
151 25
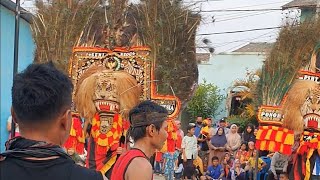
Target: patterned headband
146 118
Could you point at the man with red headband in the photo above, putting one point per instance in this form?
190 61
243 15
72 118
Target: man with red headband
148 130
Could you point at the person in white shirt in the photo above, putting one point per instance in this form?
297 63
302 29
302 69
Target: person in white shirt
189 152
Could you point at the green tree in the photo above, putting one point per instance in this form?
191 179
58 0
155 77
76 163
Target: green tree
205 101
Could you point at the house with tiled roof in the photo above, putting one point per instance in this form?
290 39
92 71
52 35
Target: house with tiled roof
255 48
225 69
307 7
203 57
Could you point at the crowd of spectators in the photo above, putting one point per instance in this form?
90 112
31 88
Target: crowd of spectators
221 152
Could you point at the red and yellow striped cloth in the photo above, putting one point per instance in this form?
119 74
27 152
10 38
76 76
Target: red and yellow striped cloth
112 137
309 141
172 136
76 139
274 138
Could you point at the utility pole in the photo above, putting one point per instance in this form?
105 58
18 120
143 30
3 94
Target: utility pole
16 54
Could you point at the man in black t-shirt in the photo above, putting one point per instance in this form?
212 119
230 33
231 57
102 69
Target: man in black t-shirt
41 103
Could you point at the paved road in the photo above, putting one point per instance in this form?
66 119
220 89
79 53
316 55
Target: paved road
157 177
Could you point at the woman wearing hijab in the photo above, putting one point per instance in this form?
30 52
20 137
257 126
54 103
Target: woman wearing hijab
236 172
248 134
217 145
233 139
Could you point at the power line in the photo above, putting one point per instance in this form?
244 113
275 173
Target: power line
240 17
215 19
239 31
245 40
277 2
238 10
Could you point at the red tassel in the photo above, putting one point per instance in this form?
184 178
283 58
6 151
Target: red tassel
171 145
258 143
287 149
263 134
273 135
80 148
284 136
101 149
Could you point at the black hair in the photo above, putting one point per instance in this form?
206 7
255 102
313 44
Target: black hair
40 93
252 128
244 143
145 107
214 158
190 127
223 120
285 174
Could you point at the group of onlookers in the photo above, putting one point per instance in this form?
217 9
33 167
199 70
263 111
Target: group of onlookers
220 153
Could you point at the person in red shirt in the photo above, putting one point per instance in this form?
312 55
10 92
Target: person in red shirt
148 130
180 134
158 162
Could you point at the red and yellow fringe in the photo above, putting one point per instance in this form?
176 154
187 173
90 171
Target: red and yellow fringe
273 138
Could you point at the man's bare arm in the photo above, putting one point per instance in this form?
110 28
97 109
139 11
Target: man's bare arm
139 169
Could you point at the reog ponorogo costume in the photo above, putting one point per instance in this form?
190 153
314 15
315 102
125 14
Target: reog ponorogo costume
113 69
297 113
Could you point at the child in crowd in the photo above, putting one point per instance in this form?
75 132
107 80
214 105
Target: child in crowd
227 163
279 164
242 154
251 164
251 148
236 172
283 176
189 152
199 165
169 164
178 168
215 171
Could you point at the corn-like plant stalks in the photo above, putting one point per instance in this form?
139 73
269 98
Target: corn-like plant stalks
291 52
169 29
57 26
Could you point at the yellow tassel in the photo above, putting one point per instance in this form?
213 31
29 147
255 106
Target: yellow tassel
263 145
268 134
279 136
281 147
259 134
308 169
108 165
272 145
94 121
289 139
102 142
72 130
81 139
174 136
109 134
164 147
